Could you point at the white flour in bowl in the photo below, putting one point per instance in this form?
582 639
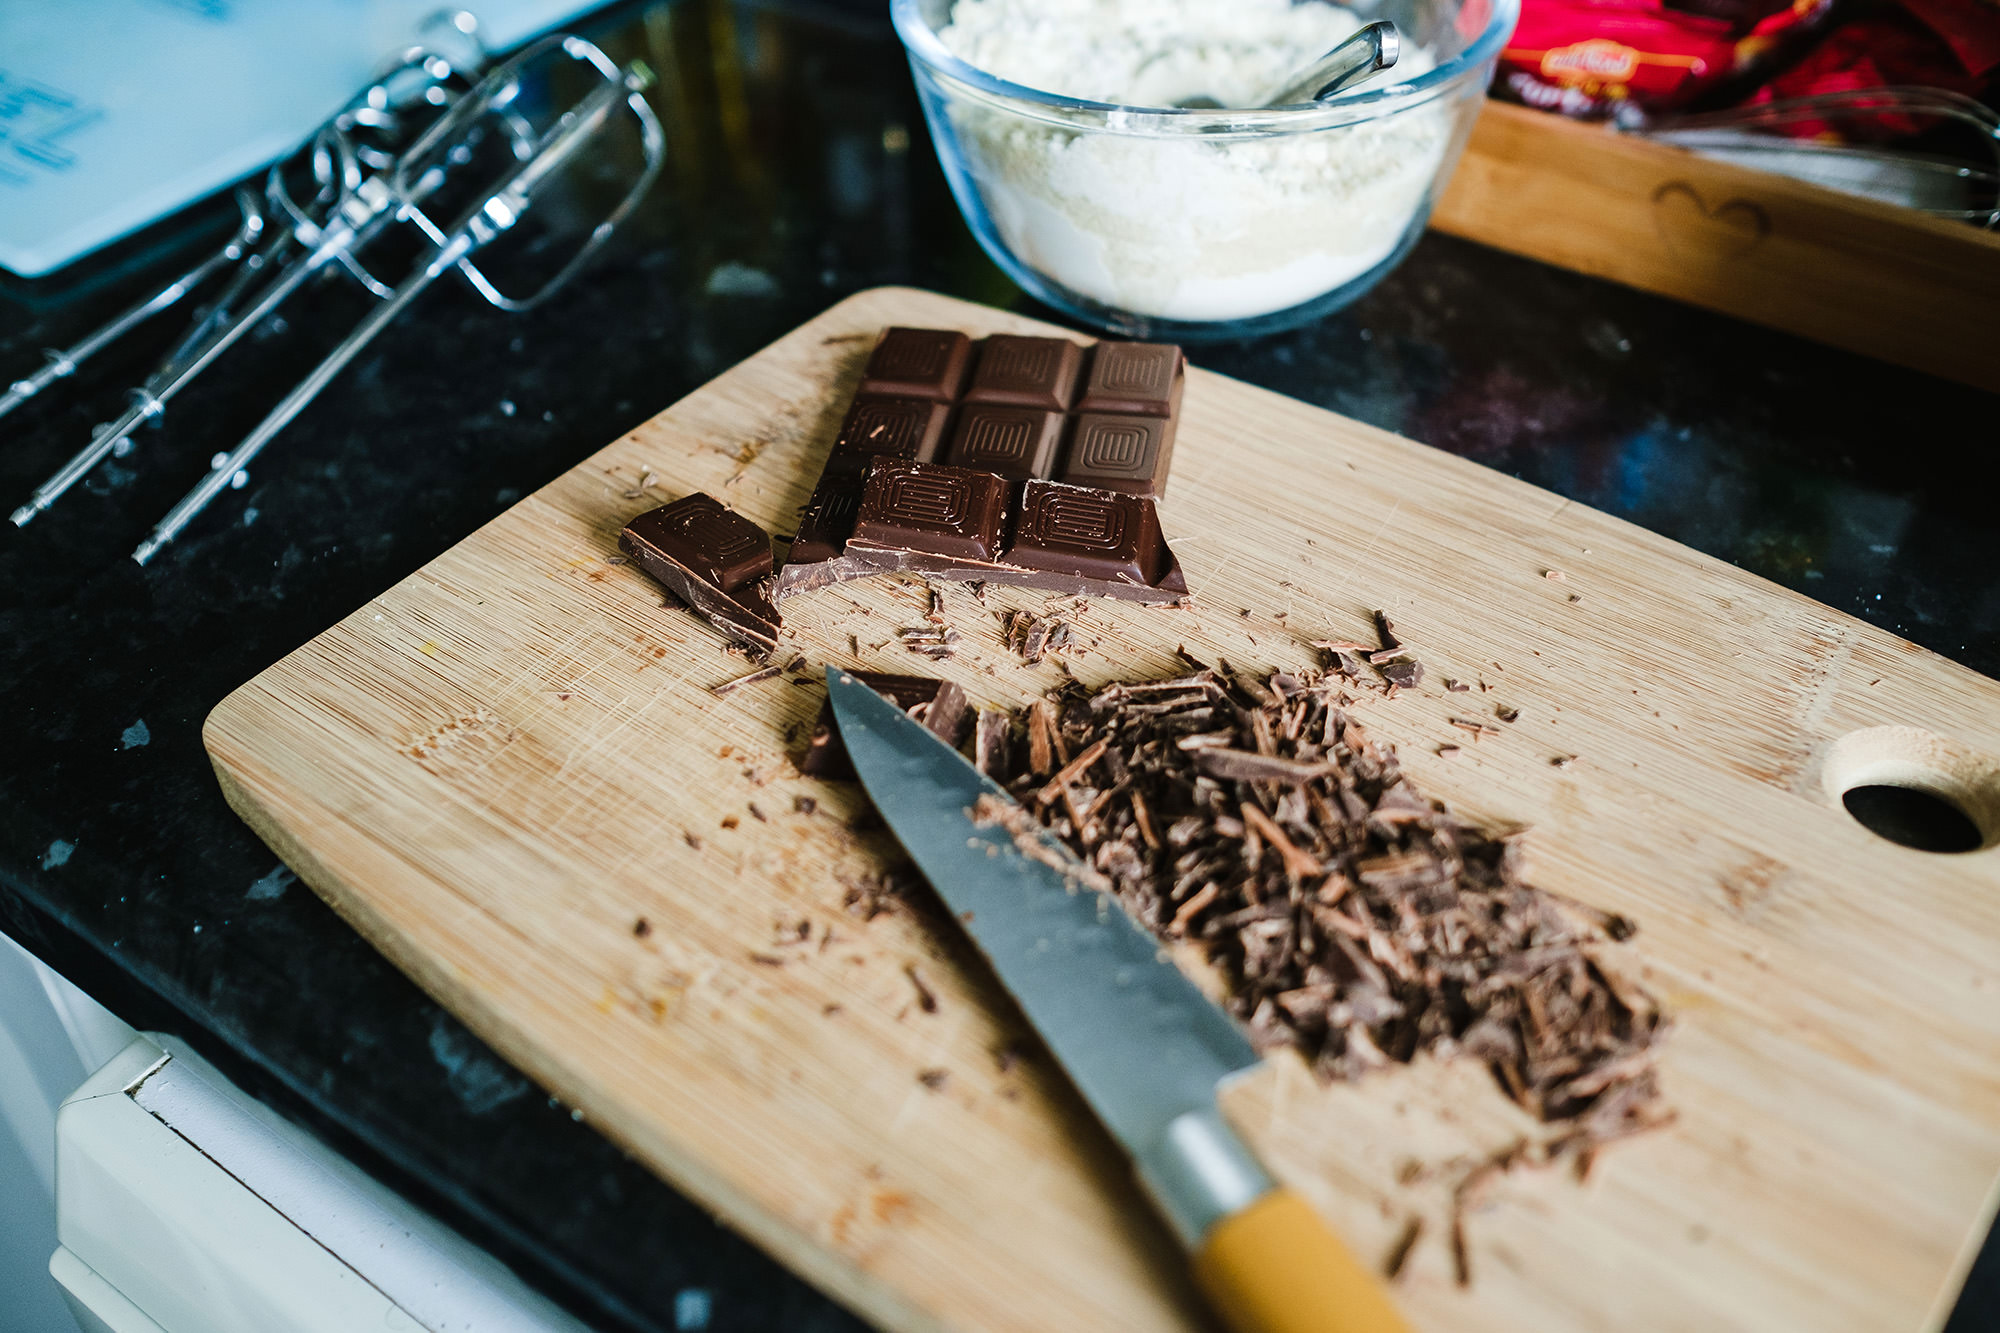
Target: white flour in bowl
1182 228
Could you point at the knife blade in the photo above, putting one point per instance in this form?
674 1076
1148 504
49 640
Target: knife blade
1146 1048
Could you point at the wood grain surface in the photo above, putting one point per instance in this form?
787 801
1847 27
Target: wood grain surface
501 766
1887 282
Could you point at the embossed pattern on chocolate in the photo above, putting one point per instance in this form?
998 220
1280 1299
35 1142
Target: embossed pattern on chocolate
1120 453
918 363
1026 372
713 559
932 509
1102 534
1139 379
893 427
1017 442
718 544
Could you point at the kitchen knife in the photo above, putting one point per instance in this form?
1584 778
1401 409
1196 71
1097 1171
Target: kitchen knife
1139 1040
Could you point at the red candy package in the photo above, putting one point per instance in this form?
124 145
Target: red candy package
1601 58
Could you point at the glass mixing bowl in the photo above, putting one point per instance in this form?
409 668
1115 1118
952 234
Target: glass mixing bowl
1196 226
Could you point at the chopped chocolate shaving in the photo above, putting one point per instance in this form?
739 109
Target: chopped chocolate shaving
1506 714
938 704
1349 915
642 928
1033 637
1399 1253
926 997
1408 673
991 734
934 1079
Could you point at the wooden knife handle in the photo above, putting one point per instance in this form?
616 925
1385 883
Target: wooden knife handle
1275 1267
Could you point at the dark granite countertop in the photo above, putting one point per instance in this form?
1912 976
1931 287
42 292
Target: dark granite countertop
1867 487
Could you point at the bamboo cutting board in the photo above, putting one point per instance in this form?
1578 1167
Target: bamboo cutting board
500 767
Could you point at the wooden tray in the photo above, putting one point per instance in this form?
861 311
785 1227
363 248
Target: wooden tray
500 766
1884 281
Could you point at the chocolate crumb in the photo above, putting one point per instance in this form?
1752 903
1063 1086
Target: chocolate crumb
730 821
1408 674
1399 1253
934 1079
804 805
728 685
692 839
757 814
926 997
642 928
1506 714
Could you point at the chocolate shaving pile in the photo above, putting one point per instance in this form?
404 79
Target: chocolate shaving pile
1351 916
1033 637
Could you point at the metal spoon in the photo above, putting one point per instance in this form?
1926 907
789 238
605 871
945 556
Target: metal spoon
1362 56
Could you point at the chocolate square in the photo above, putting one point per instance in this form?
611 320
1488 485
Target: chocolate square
896 427
918 363
829 516
1143 379
1120 453
715 543
1018 442
1093 533
710 558
932 509
1026 372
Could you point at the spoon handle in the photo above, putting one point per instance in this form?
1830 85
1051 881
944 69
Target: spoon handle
1367 52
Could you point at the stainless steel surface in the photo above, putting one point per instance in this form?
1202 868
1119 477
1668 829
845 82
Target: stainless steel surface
346 210
63 362
1141 1042
494 213
366 177
1367 53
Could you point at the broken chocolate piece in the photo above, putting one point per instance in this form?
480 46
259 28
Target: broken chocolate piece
1098 534
717 544
827 523
918 363
1026 372
939 704
709 557
935 510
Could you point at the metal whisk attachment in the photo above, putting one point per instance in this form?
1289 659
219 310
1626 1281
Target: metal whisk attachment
366 182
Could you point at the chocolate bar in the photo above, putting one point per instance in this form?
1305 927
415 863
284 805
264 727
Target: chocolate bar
712 558
1018 460
939 704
